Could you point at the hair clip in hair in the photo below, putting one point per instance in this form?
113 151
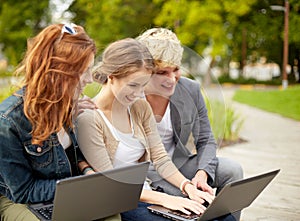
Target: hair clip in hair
69 29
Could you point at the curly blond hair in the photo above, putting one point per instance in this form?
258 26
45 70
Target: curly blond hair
164 46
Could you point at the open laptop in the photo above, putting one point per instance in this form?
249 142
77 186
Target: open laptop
233 197
95 196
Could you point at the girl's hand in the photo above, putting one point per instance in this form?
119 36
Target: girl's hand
90 172
85 103
184 205
198 195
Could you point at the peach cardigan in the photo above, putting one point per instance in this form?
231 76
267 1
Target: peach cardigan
98 144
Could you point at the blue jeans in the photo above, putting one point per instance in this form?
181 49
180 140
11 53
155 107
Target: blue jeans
141 213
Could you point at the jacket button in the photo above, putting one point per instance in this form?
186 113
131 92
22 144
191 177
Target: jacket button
39 149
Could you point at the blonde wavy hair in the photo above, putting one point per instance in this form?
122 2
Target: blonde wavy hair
121 58
53 64
163 45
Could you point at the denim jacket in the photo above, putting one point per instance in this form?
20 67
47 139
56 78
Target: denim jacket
28 173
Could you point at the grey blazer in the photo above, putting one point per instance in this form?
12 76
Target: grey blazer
189 115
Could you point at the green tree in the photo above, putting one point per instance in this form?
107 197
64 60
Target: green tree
264 32
110 20
236 30
18 21
262 28
294 22
204 23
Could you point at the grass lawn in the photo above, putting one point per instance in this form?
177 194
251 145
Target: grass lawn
284 102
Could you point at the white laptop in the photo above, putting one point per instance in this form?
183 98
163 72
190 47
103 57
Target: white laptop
95 196
233 197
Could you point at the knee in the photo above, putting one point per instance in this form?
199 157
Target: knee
231 168
237 171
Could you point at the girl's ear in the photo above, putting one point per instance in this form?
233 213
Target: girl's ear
110 77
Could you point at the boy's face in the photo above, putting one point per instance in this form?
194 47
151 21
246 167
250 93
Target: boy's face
164 81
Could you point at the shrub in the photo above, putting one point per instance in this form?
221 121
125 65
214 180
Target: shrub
225 122
241 80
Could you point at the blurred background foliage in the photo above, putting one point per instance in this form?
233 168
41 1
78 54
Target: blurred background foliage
20 19
215 27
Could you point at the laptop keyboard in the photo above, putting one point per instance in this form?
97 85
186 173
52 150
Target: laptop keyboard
46 212
181 214
192 216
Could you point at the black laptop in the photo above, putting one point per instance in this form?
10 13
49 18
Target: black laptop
95 196
233 197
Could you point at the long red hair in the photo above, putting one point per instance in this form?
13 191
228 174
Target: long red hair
53 64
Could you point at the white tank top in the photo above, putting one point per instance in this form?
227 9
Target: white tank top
64 138
130 149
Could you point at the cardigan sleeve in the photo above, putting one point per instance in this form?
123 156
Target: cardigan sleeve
158 155
90 135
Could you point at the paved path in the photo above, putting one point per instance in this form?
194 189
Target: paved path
273 142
